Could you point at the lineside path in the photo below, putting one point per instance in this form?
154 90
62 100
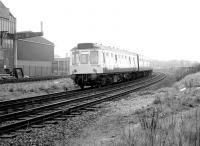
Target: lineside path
11 79
69 107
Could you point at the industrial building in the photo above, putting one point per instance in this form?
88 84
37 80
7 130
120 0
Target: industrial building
27 50
7 40
35 56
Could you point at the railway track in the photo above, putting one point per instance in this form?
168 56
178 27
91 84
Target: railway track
19 104
24 118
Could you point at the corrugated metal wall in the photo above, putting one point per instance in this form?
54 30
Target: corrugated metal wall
34 51
36 68
35 58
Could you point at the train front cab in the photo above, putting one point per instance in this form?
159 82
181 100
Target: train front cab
85 65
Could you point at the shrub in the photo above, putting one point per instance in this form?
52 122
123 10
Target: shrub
157 100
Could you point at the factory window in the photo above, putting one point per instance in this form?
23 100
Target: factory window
84 59
94 57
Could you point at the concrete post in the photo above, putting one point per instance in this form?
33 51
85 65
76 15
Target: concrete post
15 46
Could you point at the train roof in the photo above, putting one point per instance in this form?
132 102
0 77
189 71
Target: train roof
87 46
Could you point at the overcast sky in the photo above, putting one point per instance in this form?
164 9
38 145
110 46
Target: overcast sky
159 29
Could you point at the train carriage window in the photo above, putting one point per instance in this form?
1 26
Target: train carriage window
94 57
129 59
107 54
104 59
75 58
84 58
115 58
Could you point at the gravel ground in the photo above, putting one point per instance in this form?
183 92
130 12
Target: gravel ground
112 124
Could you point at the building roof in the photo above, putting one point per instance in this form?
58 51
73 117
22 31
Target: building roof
38 39
4 11
2 5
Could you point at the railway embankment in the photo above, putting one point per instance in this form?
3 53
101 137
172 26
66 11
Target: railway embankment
165 116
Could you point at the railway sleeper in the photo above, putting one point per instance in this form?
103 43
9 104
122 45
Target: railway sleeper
60 119
24 131
8 136
37 126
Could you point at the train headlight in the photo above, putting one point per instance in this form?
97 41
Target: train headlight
74 71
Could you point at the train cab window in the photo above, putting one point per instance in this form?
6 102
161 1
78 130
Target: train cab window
94 57
75 58
84 58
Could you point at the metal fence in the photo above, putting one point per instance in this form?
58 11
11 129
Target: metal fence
42 70
36 70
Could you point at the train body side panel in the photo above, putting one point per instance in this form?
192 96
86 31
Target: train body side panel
119 62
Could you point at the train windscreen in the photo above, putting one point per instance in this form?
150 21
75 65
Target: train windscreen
84 58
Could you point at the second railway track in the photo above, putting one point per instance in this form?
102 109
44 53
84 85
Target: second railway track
23 118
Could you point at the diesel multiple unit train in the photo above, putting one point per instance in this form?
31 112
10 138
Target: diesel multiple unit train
97 65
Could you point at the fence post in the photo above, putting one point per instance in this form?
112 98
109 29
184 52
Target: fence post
23 69
58 68
29 70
